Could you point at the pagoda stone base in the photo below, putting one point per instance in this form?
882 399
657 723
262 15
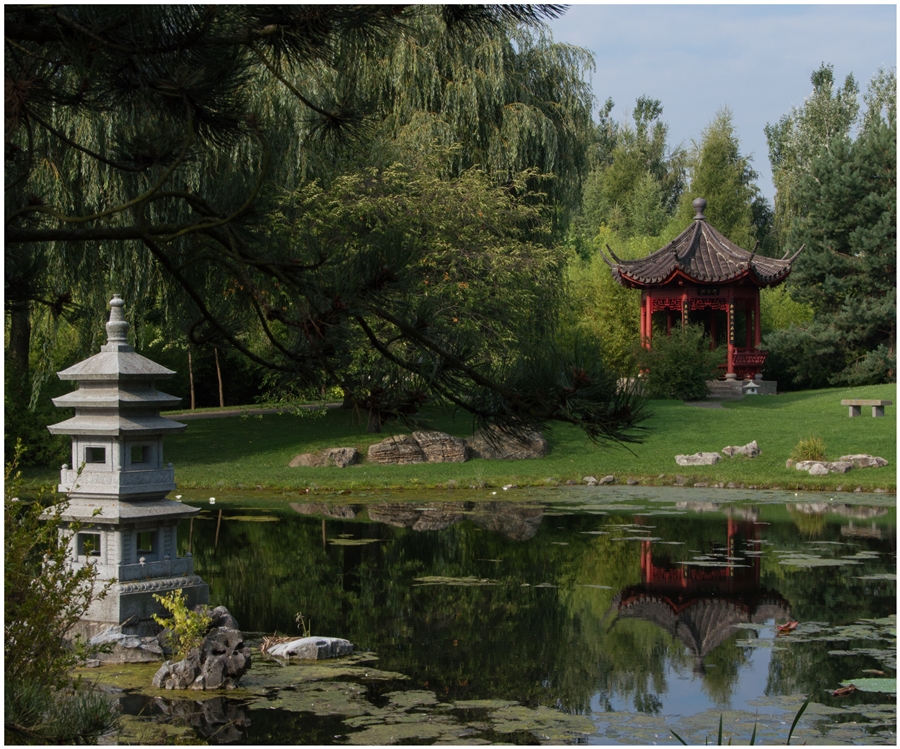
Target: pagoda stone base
133 603
735 388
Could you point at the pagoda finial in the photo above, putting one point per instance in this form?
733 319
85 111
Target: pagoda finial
699 206
117 327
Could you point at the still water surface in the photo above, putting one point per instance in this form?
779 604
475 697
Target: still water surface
570 615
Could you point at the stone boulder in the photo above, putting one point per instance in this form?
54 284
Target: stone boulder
698 459
331 456
751 450
493 444
311 648
823 468
864 461
125 648
440 516
441 448
397 514
344 512
515 522
219 663
400 450
219 616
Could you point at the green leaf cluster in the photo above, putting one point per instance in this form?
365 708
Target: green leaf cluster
680 365
185 628
44 598
845 218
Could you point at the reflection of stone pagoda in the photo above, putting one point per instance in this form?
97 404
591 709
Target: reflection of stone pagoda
701 277
701 605
118 482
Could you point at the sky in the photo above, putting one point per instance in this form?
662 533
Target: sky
755 59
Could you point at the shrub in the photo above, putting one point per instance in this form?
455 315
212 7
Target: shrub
811 448
679 365
186 628
44 599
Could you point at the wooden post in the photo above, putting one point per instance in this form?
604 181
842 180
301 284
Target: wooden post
729 367
757 322
748 324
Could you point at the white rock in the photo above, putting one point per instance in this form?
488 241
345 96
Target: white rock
312 648
864 461
698 459
818 469
751 450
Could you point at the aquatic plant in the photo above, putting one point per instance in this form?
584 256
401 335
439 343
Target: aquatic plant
753 735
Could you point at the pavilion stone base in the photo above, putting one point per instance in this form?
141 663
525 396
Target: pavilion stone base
735 388
132 605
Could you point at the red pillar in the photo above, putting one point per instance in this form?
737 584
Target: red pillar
757 321
748 323
729 368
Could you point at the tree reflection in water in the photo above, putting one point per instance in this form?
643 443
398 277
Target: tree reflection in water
580 608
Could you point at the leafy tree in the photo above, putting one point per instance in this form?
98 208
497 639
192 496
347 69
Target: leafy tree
847 271
798 137
636 179
680 364
597 307
43 600
722 175
160 133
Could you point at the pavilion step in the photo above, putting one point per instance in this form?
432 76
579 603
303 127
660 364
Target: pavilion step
725 388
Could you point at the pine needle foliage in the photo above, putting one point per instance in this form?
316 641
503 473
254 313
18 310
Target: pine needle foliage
151 147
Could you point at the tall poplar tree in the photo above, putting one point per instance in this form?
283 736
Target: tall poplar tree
721 174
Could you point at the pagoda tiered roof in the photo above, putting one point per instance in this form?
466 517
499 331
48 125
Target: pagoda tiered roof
702 255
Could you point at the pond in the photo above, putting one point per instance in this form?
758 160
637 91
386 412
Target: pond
599 615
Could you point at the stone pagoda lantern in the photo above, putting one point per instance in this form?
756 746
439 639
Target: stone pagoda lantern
118 483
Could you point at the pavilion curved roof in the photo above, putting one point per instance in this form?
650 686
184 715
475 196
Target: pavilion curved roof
702 255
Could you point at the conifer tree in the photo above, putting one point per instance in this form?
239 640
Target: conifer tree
154 141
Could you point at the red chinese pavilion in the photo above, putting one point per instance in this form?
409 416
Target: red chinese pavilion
701 277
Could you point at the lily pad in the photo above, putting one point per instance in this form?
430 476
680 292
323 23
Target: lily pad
873 685
323 698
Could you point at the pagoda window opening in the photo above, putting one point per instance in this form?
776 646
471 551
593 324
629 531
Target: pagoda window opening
89 544
147 543
141 454
95 455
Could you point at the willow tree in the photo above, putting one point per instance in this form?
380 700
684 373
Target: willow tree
166 132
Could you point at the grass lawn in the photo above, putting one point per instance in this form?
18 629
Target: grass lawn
254 451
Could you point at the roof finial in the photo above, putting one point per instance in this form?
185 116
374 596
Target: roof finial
117 327
699 206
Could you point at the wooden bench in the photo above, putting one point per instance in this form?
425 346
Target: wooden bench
857 403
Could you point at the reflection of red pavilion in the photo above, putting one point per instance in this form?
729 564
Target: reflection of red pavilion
702 604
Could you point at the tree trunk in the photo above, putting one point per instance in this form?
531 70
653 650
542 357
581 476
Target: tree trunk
191 378
19 342
219 375
374 425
